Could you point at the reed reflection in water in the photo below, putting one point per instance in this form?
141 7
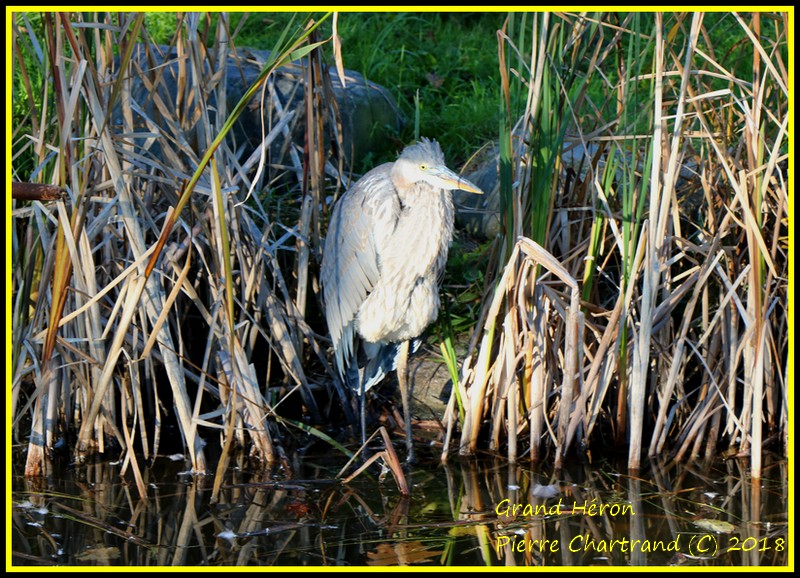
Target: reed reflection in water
464 514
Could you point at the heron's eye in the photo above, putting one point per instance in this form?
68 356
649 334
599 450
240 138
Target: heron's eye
423 167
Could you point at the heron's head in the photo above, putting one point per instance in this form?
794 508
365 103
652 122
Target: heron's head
423 162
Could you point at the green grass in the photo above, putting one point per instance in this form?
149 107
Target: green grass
450 60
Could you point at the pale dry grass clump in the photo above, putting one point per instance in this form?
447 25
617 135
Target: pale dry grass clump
160 283
671 220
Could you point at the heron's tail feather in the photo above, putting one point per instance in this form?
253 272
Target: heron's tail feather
376 359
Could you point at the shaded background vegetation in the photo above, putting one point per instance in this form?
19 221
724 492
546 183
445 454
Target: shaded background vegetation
439 66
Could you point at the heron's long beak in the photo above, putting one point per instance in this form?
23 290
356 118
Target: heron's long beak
451 180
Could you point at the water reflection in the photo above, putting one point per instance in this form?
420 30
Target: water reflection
461 514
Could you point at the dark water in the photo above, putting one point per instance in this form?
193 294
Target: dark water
460 514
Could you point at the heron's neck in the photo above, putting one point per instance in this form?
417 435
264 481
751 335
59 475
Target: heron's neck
400 182
426 217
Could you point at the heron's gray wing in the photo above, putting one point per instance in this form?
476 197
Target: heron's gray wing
350 259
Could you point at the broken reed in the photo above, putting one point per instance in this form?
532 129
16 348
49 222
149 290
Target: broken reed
673 214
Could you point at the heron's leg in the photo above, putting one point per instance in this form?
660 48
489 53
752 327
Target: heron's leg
405 392
362 400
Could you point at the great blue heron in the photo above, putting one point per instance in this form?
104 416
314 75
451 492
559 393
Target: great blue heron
382 264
